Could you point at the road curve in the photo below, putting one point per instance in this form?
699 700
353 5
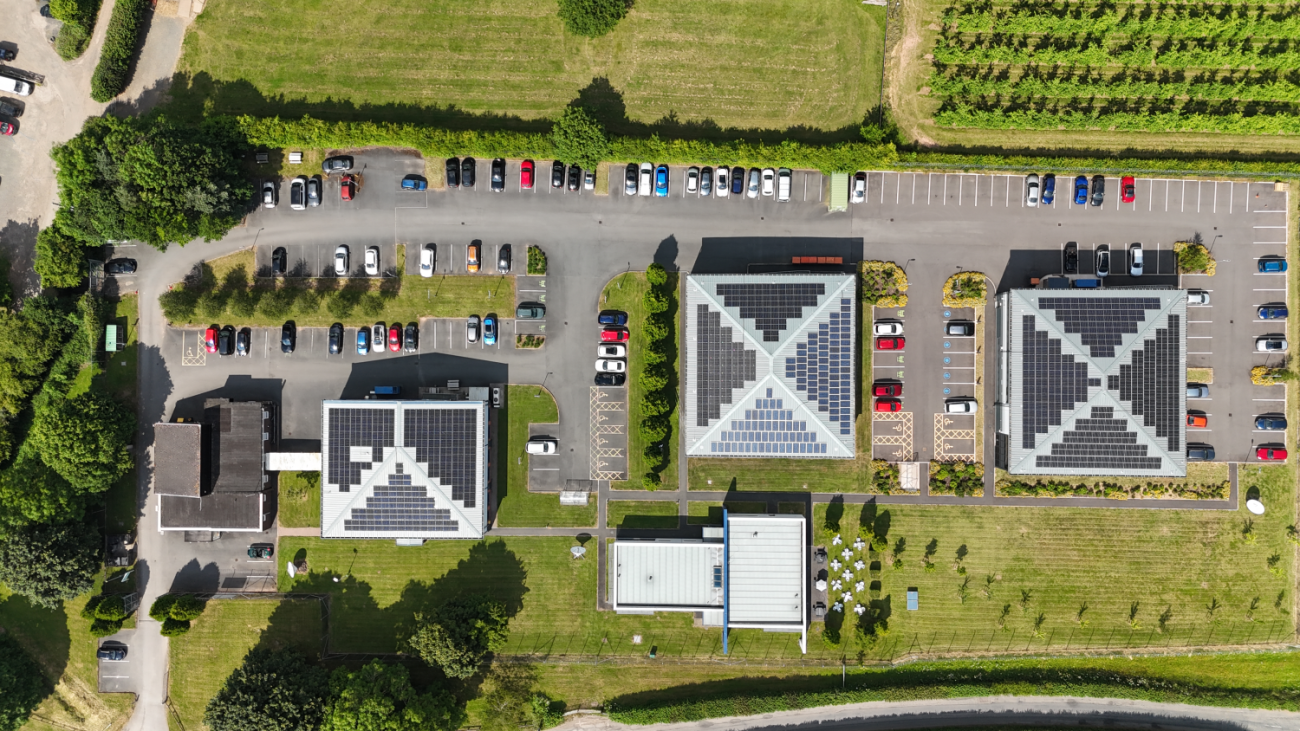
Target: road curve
1111 713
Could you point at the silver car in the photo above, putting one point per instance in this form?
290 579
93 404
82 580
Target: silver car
692 180
752 192
471 329
1031 190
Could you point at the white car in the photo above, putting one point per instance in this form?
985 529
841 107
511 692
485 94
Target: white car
1031 190
961 406
692 180
647 176
298 193
269 191
589 180
1271 344
611 351
372 261
1198 297
888 328
427 260
341 261
769 181
605 365
723 183
471 329
541 445
1135 260
859 187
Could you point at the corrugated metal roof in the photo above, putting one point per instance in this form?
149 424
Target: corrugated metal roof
666 574
766 562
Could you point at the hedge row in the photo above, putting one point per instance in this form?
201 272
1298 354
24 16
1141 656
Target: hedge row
110 77
1150 490
658 378
78 18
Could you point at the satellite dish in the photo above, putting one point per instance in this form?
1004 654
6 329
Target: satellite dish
1255 507
292 570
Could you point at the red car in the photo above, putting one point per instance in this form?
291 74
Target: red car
7 129
210 340
614 335
890 343
526 175
395 337
1270 453
888 405
348 187
1127 189
887 389
1197 420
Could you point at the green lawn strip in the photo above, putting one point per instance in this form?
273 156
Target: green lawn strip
120 378
202 658
1204 480
517 507
122 504
641 514
299 500
700 512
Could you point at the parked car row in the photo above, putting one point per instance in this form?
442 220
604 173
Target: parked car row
611 354
645 179
398 339
227 341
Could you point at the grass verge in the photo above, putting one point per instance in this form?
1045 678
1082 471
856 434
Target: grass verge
701 512
641 514
299 500
516 506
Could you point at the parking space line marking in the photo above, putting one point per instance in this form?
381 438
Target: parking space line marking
961 187
977 191
1268 226
898 187
1247 196
1232 191
1008 191
913 188
928 185
1216 198
1198 196
945 189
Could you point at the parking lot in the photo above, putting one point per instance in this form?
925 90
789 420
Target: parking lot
119 676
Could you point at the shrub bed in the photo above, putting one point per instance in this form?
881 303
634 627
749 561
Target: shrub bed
884 476
110 78
1266 376
1047 487
1194 259
536 261
884 284
957 478
530 341
965 289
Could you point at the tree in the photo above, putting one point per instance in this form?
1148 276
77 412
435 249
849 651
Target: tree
31 492
25 351
22 684
60 257
512 701
274 690
460 634
656 275
50 563
85 439
579 138
592 18
379 697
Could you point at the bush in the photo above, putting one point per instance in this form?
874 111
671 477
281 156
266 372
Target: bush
884 284
592 18
656 403
654 330
78 17
111 608
654 457
655 301
650 481
105 627
1194 258
120 43
458 636
187 607
965 289
654 429
653 379
1266 376
656 275
579 139
536 261
175 627
162 607
60 257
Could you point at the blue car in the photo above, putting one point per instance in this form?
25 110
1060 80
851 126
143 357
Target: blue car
1272 265
1081 190
1049 189
1270 423
363 341
413 182
1269 312
490 330
661 181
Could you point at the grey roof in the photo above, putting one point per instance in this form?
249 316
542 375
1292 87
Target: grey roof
770 365
1094 381
229 511
177 458
667 574
237 442
767 561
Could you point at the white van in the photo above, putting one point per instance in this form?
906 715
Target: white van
15 86
643 187
783 185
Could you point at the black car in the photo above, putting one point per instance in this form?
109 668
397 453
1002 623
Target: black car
313 192
116 653
610 379
503 259
340 164
279 261
453 172
412 340
226 341
737 181
120 266
557 174
467 168
243 340
1200 453
498 175
336 338
632 171
261 551
1098 190
7 54
575 177
288 338
1071 257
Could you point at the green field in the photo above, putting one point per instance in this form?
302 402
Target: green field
683 65
299 500
649 514
517 507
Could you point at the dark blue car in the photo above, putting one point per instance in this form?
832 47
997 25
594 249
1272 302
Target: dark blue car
612 317
1270 423
661 181
363 341
1081 190
413 182
1049 189
1272 265
1272 312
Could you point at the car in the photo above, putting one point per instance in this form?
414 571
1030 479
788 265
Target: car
961 406
629 180
1198 390
498 175
541 445
395 333
645 182
692 179
298 193
1272 264
755 183
503 259
706 181
959 329
1270 344
270 192
113 267
113 653
1200 453
859 187
336 338
557 174
607 365
341 260
610 379
1273 312
614 335
453 172
490 330
1198 297
575 175
363 341
530 311
1031 190
887 405
288 337
1049 189
611 317
1270 453
1071 257
737 180
1199 421
347 188
411 339
7 54
784 177
588 180
261 550
415 183
471 258
468 168
372 261
1270 423
1098 190
243 339
893 390
1135 260
1127 189
313 192
1081 190
380 332
724 181
1103 261
210 339
661 181
7 129
890 343
611 351
471 329
428 259
526 170
888 327
337 164
226 341
769 181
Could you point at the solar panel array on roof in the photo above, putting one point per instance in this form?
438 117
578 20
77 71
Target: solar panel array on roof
771 305
355 428
1052 383
400 506
724 366
1099 441
1103 322
823 367
444 441
768 428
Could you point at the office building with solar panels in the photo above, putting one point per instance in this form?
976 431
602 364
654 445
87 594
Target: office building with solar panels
406 470
770 365
1092 382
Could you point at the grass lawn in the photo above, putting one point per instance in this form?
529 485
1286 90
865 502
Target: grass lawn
701 512
516 506
641 514
299 500
120 368
202 658
690 64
